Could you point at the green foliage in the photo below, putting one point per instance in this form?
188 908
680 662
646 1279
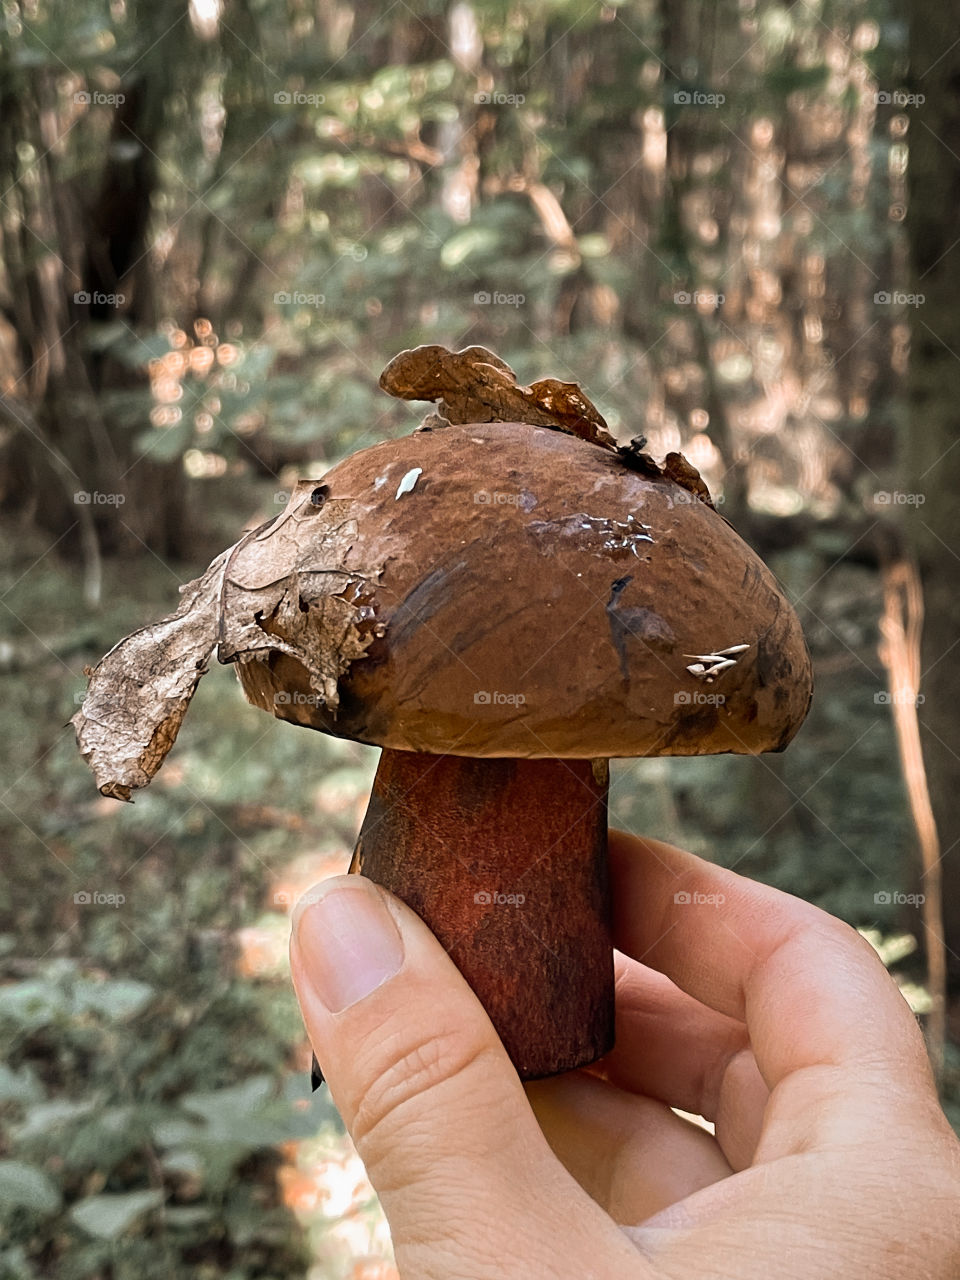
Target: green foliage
24 1187
146 1084
114 1141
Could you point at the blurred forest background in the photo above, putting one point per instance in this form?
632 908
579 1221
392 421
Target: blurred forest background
734 223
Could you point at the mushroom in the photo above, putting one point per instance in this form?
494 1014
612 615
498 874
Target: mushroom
520 602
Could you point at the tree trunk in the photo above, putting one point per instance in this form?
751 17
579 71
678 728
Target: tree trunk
931 470
78 231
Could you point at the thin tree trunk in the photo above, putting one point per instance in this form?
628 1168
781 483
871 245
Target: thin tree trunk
931 467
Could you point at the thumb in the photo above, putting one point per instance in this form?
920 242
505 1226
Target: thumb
428 1094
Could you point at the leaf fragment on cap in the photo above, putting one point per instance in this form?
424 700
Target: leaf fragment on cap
475 385
283 586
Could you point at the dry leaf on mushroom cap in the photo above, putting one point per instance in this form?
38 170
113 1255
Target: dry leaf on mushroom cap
287 574
474 385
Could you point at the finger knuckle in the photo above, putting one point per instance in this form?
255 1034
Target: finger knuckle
403 1086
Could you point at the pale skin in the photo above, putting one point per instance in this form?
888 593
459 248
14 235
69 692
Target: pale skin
778 1023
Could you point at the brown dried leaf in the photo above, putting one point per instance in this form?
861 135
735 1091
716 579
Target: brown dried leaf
139 692
287 574
675 467
474 385
685 474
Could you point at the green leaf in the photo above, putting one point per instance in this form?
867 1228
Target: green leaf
230 1123
175 1132
118 1119
187 1163
45 1116
187 1215
118 999
109 1216
31 1004
19 1086
24 1187
221 1108
14 1264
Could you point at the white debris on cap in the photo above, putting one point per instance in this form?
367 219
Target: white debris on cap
709 665
408 481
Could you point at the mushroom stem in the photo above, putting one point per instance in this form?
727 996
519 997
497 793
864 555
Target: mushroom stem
506 861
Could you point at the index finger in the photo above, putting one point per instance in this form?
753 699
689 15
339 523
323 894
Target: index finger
812 992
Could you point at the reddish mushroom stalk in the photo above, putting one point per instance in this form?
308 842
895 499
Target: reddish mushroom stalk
506 860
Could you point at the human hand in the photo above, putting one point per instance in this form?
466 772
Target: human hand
831 1158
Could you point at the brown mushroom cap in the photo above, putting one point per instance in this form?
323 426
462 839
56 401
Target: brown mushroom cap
538 598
